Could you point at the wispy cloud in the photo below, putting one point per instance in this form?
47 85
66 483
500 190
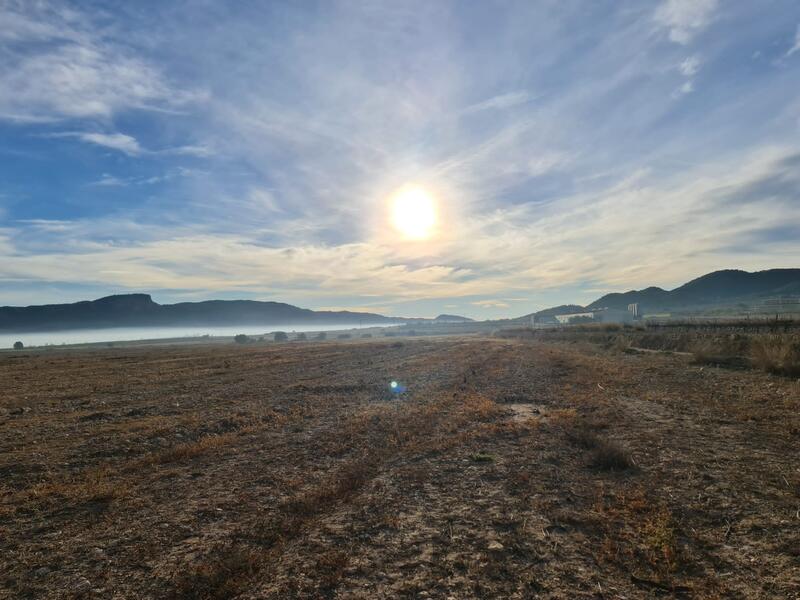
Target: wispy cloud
129 145
76 71
685 18
116 141
796 46
690 66
500 102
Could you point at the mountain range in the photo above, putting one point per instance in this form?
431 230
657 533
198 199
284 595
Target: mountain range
718 289
139 310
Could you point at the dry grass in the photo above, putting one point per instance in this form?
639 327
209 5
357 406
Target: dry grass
94 487
225 573
777 354
188 450
291 473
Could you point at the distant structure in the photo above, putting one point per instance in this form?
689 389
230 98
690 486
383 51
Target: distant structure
599 315
787 306
634 310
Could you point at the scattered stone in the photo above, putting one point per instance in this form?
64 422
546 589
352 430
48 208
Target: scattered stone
82 586
495 545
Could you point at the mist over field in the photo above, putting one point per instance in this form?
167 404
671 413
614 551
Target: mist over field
123 334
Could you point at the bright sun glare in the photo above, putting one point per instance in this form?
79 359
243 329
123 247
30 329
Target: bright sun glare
414 212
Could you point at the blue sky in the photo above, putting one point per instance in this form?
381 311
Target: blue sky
205 149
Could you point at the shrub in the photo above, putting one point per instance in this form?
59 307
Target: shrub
18 345
605 454
241 339
301 337
777 354
610 456
343 336
721 350
280 336
366 335
321 336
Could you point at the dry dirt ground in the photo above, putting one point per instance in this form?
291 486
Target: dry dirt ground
508 469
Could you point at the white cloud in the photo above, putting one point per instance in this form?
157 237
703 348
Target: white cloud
685 18
116 141
129 145
56 65
491 304
199 151
796 46
690 66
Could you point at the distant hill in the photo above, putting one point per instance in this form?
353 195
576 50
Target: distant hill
720 288
453 319
139 310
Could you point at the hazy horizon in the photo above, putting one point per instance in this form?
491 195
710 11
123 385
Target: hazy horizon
93 335
411 159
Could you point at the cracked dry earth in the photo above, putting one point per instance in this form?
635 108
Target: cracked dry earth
507 470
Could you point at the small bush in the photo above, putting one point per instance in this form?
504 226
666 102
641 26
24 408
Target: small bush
280 336
605 455
241 339
610 456
301 337
18 345
343 336
321 336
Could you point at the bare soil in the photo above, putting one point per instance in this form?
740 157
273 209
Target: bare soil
508 469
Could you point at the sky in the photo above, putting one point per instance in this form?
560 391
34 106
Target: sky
206 149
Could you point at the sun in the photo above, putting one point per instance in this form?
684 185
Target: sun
414 212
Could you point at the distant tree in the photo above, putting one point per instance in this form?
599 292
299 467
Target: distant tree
366 335
321 336
343 336
301 337
241 339
280 336
18 345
